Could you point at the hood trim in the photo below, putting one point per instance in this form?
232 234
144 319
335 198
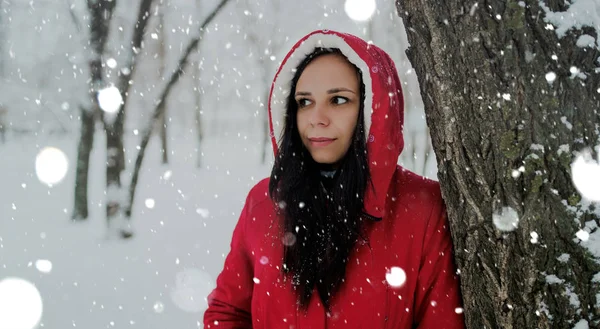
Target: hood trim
281 86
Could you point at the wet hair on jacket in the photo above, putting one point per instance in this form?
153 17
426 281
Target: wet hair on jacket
322 216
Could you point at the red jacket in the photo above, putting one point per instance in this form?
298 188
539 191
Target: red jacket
413 233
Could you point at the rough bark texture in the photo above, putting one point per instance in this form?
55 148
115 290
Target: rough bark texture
100 16
491 110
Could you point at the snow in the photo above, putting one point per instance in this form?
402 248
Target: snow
585 173
395 277
360 10
573 298
553 279
94 281
51 165
564 148
563 258
43 265
550 77
110 99
506 219
20 304
582 235
534 237
582 324
580 13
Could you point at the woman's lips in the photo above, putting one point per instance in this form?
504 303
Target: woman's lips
320 141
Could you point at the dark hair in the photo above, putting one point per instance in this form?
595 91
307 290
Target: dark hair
325 224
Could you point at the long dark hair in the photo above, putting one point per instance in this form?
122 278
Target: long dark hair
321 226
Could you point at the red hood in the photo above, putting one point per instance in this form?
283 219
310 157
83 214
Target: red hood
384 106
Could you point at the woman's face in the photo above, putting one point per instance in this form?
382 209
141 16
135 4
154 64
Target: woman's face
328 99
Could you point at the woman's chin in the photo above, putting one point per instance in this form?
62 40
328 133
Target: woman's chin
324 159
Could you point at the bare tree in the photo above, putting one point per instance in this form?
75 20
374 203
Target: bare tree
100 15
507 115
162 53
3 113
125 211
2 36
198 108
114 127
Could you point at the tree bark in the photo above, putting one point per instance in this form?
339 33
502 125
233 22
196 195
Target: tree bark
482 72
101 13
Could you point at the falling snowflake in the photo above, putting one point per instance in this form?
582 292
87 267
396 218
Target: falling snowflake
585 173
110 99
506 219
360 10
149 203
159 307
51 165
395 277
20 304
192 286
289 239
43 265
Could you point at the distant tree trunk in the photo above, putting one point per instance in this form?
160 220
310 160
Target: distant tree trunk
198 109
161 71
491 108
163 136
3 29
3 113
100 15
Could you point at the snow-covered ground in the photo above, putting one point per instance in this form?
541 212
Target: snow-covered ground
158 279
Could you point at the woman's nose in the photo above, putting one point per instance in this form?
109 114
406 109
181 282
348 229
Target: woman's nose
318 116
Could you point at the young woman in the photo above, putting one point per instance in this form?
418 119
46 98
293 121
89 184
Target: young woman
339 236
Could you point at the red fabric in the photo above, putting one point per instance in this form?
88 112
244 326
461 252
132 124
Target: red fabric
413 235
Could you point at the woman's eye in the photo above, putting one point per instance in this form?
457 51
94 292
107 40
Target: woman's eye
338 100
303 102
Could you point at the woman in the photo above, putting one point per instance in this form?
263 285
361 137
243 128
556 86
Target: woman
339 236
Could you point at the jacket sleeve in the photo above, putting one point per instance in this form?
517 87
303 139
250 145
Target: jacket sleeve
438 301
229 304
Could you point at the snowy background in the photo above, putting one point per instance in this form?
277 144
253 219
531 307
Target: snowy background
184 213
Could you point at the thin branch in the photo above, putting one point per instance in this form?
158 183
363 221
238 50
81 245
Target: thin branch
136 43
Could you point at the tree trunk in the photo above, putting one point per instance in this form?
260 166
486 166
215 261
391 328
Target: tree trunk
115 163
101 14
199 130
86 140
3 32
3 128
505 136
163 137
161 71
198 108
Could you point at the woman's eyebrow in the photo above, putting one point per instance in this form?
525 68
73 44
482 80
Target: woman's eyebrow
337 90
330 91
